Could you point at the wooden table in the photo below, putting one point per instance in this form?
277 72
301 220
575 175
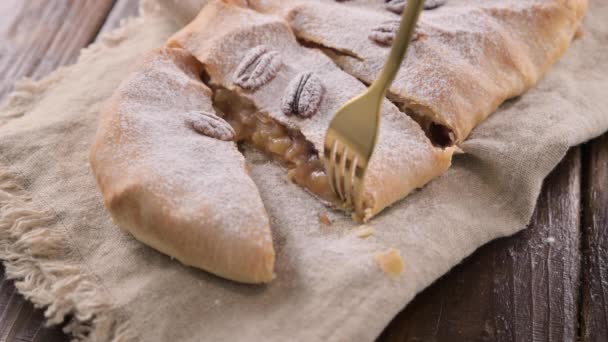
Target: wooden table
547 283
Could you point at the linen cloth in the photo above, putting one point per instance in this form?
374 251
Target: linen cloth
59 243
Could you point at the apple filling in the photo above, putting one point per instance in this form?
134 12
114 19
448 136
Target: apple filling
285 145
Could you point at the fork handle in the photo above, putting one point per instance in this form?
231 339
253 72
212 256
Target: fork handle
401 42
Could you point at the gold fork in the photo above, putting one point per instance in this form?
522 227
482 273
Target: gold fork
352 133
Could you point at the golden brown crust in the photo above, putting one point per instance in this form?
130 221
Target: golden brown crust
185 194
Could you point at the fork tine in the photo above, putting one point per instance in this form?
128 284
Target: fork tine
346 176
342 173
349 180
331 166
329 169
337 171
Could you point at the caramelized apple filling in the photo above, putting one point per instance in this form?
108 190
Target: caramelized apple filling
285 145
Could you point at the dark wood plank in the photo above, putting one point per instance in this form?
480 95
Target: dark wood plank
19 320
523 287
37 36
594 313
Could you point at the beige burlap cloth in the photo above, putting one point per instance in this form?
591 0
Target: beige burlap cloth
59 243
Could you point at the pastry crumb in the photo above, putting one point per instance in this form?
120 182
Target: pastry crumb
390 262
458 150
365 231
367 214
324 219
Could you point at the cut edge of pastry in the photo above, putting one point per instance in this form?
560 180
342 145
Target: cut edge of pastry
285 145
290 148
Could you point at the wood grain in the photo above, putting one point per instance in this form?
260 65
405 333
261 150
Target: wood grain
594 313
37 36
20 321
519 288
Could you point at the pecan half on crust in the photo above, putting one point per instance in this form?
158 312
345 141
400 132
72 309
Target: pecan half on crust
258 67
303 96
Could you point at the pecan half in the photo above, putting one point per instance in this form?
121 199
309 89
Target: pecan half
210 125
385 33
258 67
303 95
397 6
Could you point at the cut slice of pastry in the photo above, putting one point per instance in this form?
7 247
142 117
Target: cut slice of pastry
467 57
171 176
280 97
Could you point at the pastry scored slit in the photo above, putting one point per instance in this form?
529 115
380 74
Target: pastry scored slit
439 134
288 146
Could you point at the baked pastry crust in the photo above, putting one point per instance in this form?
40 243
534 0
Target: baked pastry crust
164 157
185 194
223 36
467 59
